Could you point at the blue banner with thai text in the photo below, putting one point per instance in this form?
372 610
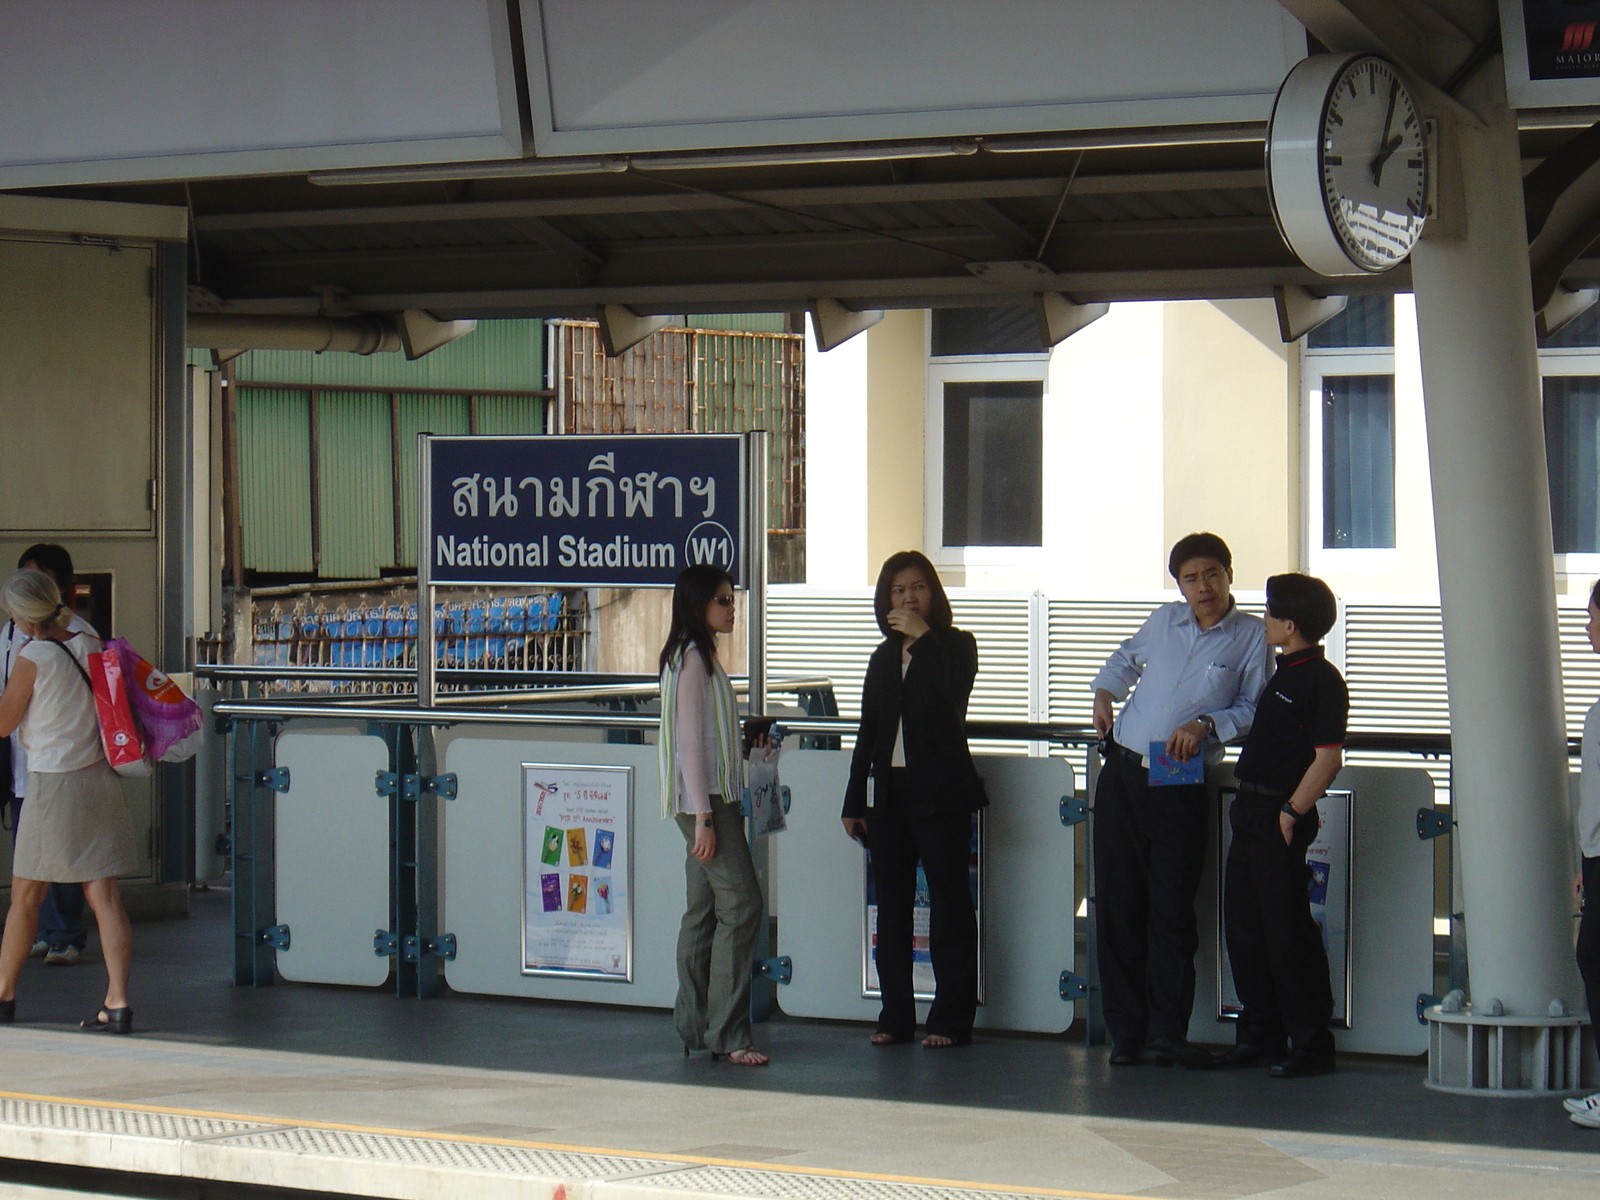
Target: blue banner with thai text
626 511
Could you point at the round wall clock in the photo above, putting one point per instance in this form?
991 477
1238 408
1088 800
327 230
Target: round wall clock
1347 164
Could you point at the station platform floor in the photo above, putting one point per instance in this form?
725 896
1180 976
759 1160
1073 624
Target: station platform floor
225 1093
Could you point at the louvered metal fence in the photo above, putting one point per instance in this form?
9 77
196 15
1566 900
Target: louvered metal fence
1393 656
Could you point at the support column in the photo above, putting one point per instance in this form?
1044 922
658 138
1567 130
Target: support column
1496 578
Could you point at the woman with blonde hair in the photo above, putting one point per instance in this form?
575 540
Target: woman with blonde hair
77 828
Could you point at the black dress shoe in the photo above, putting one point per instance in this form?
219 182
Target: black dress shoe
1252 1054
1127 1054
1298 1066
1168 1052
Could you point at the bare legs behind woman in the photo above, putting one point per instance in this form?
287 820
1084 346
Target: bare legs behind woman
116 945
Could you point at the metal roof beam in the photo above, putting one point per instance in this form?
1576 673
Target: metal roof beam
1429 39
1044 187
862 293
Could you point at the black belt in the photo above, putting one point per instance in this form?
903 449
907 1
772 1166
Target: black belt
1246 788
1118 750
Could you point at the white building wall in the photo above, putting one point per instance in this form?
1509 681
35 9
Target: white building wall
1103 473
836 464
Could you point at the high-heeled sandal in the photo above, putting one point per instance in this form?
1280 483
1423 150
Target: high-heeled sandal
116 1020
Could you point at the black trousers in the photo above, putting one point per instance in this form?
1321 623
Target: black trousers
1280 967
1589 936
1149 850
942 842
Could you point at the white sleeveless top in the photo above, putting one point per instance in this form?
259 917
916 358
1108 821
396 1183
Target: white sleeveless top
60 730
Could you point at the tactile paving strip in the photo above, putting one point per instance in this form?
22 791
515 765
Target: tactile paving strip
737 1181
43 1114
474 1156
432 1152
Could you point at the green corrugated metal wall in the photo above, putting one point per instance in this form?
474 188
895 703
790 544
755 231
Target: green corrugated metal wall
746 322
422 414
358 431
498 356
274 474
355 484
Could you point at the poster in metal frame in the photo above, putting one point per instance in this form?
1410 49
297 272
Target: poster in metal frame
1331 861
612 813
921 967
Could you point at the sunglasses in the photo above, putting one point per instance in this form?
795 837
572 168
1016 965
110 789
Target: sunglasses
725 601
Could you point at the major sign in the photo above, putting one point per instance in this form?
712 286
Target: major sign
582 511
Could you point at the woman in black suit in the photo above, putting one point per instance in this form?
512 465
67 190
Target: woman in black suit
912 792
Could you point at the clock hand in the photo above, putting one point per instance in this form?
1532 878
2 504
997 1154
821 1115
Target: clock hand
1385 146
1383 156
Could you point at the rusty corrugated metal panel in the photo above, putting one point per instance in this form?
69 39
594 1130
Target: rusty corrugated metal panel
685 380
644 390
757 381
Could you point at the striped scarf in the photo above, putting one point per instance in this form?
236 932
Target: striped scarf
724 711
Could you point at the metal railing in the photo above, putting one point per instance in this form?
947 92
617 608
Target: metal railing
552 700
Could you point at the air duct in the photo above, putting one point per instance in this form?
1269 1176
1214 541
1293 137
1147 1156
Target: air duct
415 332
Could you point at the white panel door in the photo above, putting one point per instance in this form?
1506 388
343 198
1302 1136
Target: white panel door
482 882
1391 917
1027 894
332 855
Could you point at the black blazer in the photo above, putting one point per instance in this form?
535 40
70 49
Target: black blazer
932 702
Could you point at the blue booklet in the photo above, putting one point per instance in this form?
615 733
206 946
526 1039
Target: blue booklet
1166 771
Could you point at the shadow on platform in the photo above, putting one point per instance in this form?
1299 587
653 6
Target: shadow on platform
182 993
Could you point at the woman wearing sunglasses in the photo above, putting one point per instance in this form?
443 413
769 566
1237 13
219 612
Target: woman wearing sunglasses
701 762
912 792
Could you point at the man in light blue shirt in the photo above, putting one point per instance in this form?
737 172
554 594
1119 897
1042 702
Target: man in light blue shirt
1196 668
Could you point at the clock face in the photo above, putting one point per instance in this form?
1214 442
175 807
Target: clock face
1347 164
1374 164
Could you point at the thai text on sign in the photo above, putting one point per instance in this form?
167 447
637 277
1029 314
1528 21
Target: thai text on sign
629 511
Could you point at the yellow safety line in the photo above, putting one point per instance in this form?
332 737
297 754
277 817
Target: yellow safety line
697 1160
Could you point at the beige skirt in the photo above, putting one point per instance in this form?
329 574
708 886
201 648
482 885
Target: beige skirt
74 827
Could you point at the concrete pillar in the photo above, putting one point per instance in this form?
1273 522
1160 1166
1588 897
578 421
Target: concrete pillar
1496 578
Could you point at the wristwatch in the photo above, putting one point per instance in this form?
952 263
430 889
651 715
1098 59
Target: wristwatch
1211 726
1288 807
706 822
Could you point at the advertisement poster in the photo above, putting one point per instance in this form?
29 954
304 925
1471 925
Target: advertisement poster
625 511
1328 893
1561 41
576 907
921 962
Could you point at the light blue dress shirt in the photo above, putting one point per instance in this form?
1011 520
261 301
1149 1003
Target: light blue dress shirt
1179 672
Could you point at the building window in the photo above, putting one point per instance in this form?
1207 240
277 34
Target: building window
1357 462
1367 321
1571 442
963 332
993 464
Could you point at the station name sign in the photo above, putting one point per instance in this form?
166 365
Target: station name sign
626 511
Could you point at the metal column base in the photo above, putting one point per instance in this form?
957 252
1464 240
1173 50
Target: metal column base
1477 1054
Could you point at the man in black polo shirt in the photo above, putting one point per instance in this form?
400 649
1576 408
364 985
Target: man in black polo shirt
1292 753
